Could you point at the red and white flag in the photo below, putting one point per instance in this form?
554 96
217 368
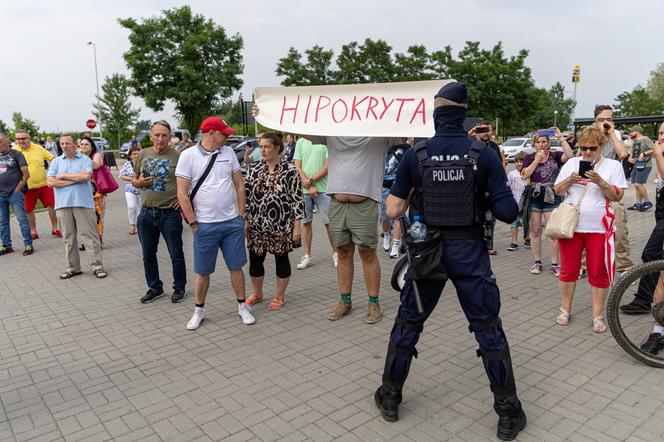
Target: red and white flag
609 241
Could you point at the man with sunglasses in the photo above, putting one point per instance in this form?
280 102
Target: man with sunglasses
615 150
652 251
154 176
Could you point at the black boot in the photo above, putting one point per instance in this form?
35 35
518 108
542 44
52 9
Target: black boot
511 418
387 401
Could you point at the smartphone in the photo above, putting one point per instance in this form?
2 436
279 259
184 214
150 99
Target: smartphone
546 133
585 166
482 130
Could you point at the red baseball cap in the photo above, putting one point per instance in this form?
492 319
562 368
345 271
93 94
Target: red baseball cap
216 123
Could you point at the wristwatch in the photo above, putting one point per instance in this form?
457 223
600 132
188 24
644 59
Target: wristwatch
193 224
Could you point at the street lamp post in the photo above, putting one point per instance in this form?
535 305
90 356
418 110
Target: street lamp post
94 51
555 118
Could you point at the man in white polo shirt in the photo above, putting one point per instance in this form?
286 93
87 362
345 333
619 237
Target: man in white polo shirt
217 216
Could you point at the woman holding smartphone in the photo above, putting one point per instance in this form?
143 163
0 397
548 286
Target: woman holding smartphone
595 182
541 168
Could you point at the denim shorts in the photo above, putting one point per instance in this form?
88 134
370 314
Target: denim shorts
518 223
538 204
640 176
322 202
227 236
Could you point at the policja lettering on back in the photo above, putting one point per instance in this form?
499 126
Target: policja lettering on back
451 200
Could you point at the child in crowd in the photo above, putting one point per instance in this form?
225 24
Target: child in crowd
518 185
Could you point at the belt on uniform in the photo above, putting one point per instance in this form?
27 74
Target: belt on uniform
157 209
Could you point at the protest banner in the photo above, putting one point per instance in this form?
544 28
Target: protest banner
371 110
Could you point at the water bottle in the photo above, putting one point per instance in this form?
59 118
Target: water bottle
418 230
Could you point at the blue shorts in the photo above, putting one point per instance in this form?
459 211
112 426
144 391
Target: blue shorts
538 204
518 223
227 236
322 200
640 176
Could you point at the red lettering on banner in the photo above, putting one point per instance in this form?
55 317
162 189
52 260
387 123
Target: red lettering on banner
387 106
345 114
306 115
373 102
290 109
402 100
353 108
318 106
420 109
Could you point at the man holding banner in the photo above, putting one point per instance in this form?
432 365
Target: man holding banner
358 123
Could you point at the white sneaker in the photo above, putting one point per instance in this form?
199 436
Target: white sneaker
245 313
394 253
196 319
304 262
386 241
335 258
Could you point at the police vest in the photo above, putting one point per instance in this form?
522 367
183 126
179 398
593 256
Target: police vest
448 197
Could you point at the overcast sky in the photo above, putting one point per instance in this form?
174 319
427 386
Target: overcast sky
47 70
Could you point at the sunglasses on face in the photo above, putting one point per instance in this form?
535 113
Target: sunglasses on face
590 148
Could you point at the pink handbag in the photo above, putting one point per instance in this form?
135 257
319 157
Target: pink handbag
104 180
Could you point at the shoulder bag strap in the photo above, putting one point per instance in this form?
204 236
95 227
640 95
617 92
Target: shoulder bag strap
201 180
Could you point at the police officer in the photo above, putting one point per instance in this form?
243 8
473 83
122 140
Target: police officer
442 169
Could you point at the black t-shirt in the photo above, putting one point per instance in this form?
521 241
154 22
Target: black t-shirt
659 201
10 171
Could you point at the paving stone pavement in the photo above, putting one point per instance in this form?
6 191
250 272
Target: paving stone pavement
82 359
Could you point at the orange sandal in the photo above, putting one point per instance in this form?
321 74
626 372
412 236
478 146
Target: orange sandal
276 303
253 299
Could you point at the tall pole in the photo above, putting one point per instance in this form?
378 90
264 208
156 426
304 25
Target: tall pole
555 118
94 51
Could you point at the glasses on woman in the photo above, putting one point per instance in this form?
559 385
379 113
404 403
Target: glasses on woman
590 148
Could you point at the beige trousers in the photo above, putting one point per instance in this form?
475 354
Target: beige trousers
623 259
75 220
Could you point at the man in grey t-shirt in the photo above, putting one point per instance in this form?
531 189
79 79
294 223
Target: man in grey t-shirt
615 149
355 179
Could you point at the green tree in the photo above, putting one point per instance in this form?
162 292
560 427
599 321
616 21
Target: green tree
316 71
142 125
114 109
370 62
231 111
3 127
183 57
550 101
21 122
637 102
414 65
656 83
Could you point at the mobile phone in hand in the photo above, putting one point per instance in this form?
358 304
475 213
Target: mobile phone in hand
546 133
585 166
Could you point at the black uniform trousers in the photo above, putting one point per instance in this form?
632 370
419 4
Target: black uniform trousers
651 252
469 269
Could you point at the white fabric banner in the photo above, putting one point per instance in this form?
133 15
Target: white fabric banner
372 110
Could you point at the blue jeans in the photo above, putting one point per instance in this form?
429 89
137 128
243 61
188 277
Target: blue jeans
167 222
17 201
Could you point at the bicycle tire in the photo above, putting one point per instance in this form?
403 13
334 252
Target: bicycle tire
620 287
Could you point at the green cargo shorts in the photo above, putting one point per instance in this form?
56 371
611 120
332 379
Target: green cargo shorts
354 222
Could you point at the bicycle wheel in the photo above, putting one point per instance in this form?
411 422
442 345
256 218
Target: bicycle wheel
630 331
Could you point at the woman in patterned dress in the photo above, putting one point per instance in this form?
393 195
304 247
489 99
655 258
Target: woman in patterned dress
88 147
275 208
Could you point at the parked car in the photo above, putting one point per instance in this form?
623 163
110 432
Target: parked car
141 136
101 143
515 145
240 147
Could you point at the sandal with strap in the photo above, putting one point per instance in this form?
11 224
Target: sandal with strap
598 324
563 317
276 303
253 299
70 274
100 274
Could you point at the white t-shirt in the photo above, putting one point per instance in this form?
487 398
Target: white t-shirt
215 201
593 206
516 184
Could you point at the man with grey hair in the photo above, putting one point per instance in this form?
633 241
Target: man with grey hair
14 174
70 175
